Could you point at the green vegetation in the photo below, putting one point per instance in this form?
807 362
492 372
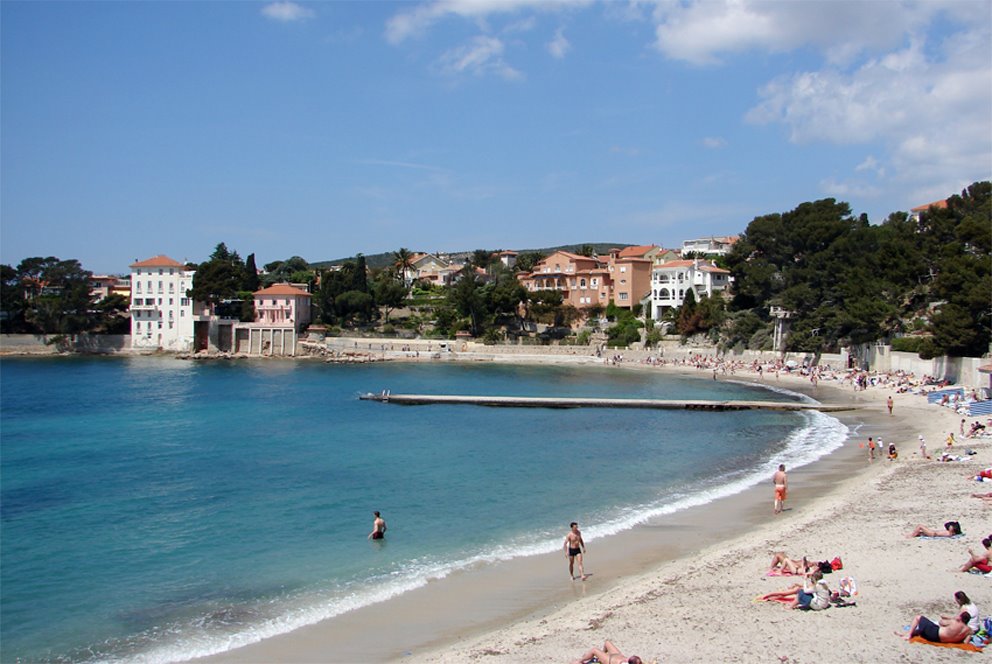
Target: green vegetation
847 281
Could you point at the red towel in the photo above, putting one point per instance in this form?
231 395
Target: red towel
960 646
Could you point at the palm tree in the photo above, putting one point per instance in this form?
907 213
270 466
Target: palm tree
403 258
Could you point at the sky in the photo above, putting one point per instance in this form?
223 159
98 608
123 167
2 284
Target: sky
325 129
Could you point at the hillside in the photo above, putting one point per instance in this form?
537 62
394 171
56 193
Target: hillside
375 261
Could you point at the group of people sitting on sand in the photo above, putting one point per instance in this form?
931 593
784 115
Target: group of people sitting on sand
813 593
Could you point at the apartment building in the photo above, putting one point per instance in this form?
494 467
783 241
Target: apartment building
670 281
162 316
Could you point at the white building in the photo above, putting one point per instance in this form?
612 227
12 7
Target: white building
709 246
162 315
670 281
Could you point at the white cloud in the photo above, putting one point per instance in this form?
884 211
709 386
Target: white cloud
838 189
481 56
415 22
286 12
702 32
870 164
714 142
930 110
559 45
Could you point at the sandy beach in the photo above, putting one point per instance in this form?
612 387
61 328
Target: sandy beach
683 590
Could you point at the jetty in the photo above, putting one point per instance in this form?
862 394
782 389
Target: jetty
591 402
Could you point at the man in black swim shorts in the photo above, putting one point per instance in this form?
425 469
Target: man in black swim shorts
953 629
574 548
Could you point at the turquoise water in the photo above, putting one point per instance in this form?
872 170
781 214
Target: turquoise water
155 509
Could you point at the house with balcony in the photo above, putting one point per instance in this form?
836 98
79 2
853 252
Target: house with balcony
709 246
584 281
670 281
282 312
162 316
436 270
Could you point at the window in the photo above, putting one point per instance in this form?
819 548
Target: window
170 316
594 282
160 325
160 271
170 324
582 283
170 301
138 289
623 281
623 297
182 313
149 285
160 287
623 268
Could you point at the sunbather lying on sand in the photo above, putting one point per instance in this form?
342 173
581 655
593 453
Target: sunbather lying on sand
979 561
812 593
950 630
610 654
951 528
783 564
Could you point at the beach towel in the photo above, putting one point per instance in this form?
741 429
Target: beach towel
780 572
924 537
783 600
959 646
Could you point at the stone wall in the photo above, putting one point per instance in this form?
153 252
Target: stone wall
34 344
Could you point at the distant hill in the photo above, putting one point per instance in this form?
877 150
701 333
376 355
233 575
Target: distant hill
375 261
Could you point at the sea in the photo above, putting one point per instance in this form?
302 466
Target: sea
155 510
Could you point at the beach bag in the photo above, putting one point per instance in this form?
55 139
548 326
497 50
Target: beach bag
836 564
825 567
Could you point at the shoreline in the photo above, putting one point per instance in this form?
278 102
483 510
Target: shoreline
643 564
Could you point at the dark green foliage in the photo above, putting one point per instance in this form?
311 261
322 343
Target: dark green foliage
625 331
527 260
251 282
293 270
219 278
849 282
388 291
54 297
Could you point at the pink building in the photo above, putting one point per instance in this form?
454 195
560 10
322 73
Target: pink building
282 305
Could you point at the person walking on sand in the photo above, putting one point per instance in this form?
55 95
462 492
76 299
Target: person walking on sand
888 404
378 528
781 482
574 548
923 448
871 449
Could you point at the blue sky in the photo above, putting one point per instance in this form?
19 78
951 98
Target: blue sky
324 129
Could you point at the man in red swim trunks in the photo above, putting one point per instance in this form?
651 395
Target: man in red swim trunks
781 487
378 528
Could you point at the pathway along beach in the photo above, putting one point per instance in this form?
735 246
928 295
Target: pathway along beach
691 598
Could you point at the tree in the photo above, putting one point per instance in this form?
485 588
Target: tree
57 293
467 299
527 260
251 282
353 304
403 263
388 292
219 278
482 258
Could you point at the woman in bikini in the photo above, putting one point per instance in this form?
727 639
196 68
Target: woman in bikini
980 561
610 654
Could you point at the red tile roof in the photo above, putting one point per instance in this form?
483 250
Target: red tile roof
158 261
937 204
636 252
281 289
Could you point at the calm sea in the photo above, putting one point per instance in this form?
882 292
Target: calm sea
155 509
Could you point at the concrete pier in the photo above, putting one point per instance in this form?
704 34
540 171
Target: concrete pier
586 402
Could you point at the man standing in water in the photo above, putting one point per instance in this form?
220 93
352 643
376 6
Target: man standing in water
378 528
781 487
574 548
